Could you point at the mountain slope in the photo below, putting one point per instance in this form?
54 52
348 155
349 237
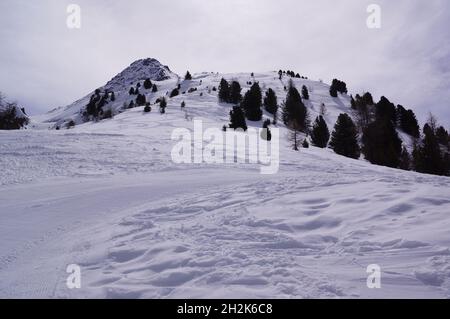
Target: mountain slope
107 196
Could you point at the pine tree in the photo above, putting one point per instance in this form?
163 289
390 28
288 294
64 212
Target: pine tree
305 93
148 84
252 103
381 144
113 97
333 92
235 93
407 121
344 140
295 113
352 102
271 102
162 105
428 158
224 91
131 92
183 105
188 76
174 93
237 119
305 143
320 134
141 100
442 136
339 86
367 99
154 88
385 110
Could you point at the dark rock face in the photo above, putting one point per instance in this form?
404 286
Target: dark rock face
139 71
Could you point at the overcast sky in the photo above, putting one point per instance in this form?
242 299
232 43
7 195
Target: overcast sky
44 64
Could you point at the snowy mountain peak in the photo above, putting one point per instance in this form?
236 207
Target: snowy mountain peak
142 69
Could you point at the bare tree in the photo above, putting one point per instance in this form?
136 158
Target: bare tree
432 121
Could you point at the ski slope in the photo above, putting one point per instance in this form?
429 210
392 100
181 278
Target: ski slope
108 197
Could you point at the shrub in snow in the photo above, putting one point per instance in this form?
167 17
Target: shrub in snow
305 144
70 124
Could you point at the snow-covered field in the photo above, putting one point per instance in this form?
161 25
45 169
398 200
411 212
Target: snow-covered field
108 197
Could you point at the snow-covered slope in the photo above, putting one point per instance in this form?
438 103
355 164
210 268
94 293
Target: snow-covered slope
137 72
108 197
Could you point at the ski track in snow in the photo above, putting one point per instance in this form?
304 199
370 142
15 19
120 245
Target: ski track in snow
107 196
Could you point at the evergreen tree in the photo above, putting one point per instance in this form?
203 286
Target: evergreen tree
113 97
333 92
188 76
224 91
237 118
305 93
148 84
154 88
386 111
344 140
235 93
174 93
162 105
428 158
305 143
271 102
183 105
295 113
320 134
352 102
407 121
368 99
252 103
9 119
442 136
141 100
339 86
280 74
131 91
381 144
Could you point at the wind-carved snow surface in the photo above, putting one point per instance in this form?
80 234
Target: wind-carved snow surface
107 197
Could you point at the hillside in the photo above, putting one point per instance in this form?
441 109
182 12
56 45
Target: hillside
106 195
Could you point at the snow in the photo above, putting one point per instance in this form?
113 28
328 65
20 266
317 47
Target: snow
108 197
